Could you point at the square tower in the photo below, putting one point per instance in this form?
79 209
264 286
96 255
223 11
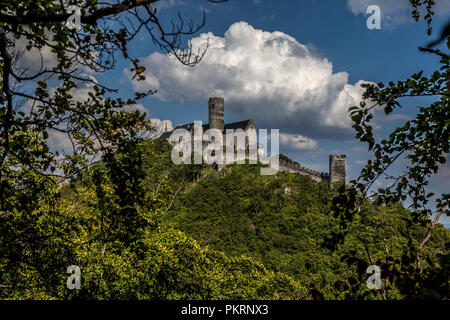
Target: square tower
338 168
216 111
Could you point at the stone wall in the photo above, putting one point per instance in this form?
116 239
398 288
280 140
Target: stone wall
296 168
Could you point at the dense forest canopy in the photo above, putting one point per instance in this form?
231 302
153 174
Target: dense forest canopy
285 223
140 227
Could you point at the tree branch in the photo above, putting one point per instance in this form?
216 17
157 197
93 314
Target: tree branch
6 71
428 235
89 19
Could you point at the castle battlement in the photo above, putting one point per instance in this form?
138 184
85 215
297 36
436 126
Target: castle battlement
216 107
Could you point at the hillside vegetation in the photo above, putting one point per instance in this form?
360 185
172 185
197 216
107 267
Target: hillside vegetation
140 227
242 213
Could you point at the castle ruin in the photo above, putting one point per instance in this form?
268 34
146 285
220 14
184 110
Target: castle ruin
216 107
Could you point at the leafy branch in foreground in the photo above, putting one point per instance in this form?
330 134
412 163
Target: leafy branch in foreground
421 145
57 94
45 96
423 141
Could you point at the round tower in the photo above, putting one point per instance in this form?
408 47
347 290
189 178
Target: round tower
216 110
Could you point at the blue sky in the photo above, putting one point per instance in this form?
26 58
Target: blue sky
330 50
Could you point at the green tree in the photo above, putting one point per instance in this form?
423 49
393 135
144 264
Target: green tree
423 143
98 126
89 206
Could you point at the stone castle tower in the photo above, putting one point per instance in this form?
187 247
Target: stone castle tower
338 168
216 111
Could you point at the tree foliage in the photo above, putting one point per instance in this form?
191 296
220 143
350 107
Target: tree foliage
286 223
422 146
141 228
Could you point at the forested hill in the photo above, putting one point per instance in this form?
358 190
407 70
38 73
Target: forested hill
283 221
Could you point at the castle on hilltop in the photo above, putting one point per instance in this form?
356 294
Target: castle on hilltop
337 163
216 120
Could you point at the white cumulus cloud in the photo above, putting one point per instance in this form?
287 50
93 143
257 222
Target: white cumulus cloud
267 76
295 142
